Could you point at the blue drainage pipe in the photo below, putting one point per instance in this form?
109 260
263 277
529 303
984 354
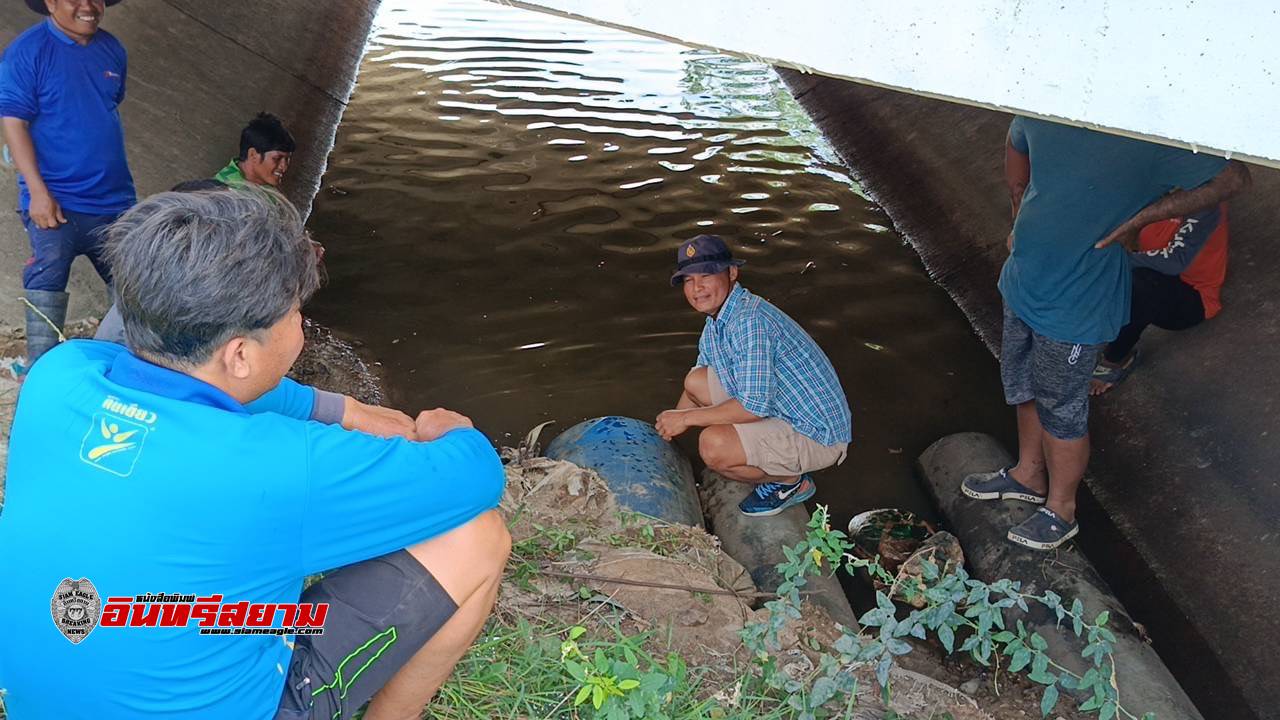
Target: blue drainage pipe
648 474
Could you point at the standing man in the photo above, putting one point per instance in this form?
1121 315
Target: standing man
266 148
61 84
1066 288
769 400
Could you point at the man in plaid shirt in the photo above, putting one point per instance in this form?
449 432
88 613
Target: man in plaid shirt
769 400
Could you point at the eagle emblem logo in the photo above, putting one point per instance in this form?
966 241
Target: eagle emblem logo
76 607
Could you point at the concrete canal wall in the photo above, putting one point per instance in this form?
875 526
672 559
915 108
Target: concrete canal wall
198 71
1185 452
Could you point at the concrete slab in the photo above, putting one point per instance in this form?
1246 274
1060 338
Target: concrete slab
1187 495
198 71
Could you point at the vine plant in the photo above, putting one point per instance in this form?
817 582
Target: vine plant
955 605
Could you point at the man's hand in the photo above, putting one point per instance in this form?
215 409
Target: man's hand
380 421
45 211
1126 235
432 424
672 423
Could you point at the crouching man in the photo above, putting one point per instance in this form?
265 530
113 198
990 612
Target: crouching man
186 465
766 395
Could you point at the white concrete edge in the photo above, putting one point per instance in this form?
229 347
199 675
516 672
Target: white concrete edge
1259 140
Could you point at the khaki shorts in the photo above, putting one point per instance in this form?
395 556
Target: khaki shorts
774 446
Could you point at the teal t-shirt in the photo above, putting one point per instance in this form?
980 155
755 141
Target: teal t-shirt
143 480
1084 184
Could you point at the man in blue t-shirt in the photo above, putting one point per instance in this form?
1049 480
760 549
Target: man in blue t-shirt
61 84
1079 198
165 501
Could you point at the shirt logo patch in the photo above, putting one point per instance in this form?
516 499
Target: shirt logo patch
113 444
689 251
75 606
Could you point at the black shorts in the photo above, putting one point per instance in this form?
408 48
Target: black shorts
381 612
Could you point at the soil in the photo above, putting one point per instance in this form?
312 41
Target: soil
701 620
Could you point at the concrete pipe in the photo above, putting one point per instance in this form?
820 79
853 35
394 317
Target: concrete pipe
757 543
1145 683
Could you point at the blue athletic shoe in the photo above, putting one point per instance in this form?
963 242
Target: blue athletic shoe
772 498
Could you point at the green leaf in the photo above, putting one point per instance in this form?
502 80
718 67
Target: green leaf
1020 660
628 684
1004 636
882 671
1149 716
1091 704
576 670
1108 711
576 632
1038 642
1102 619
1044 678
1048 700
930 570
823 690
1077 616
948 637
583 694
597 696
898 647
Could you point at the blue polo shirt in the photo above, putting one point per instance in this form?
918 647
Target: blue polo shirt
144 480
1084 184
70 95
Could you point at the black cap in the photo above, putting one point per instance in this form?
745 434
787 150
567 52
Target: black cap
703 255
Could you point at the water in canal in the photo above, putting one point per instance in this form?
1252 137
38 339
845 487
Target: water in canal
502 208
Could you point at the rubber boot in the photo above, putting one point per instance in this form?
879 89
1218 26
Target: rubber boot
43 334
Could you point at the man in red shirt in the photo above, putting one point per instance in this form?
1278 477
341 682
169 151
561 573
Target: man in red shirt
1178 271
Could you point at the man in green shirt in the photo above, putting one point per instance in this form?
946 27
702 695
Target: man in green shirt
265 150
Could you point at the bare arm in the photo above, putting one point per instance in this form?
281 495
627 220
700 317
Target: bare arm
672 423
1017 173
1233 179
375 420
44 210
728 412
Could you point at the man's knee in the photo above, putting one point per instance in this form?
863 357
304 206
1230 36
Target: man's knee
469 556
696 386
720 447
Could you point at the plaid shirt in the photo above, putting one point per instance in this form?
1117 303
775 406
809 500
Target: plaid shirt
768 363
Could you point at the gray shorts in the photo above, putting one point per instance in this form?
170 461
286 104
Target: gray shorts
1054 374
381 612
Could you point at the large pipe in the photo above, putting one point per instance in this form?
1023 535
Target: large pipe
1145 683
647 474
757 543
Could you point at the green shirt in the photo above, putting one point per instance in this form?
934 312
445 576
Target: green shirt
231 175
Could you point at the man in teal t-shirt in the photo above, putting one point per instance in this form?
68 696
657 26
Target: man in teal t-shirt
165 502
1066 289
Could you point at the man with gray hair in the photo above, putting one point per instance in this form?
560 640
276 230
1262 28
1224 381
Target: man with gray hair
172 496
